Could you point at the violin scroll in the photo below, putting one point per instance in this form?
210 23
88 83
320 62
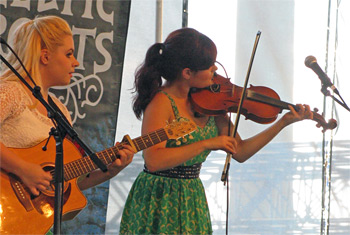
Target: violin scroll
330 125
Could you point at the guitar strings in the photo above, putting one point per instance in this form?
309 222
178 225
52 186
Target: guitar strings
84 165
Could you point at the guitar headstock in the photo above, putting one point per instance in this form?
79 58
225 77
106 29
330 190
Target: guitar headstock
179 128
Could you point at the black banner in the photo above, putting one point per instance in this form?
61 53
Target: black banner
99 30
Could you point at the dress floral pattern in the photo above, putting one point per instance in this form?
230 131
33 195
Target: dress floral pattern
163 205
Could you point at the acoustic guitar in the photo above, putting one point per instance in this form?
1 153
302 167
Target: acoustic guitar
23 213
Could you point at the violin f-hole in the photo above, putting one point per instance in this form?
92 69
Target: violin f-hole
214 88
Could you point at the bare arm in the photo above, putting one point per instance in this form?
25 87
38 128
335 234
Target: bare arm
158 112
248 147
97 177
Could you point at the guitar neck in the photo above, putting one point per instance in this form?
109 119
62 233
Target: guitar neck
85 165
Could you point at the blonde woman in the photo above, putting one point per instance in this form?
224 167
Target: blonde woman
46 48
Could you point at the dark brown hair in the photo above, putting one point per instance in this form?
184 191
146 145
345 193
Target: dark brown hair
183 48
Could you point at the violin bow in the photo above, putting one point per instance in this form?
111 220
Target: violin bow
224 175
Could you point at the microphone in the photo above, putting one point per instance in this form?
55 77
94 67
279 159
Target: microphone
311 63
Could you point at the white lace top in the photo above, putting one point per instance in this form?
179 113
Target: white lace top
21 126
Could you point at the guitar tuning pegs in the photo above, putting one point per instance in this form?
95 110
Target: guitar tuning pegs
178 142
184 139
190 137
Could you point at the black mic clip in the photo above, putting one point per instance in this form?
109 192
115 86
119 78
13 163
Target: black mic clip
325 91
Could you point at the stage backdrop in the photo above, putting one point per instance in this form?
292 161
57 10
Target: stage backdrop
99 31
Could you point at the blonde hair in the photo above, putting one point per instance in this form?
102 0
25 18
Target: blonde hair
43 32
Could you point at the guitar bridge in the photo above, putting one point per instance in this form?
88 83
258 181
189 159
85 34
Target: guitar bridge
21 193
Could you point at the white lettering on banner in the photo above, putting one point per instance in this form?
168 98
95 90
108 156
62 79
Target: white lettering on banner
101 12
3 25
108 59
3 2
21 3
83 93
87 12
67 8
44 6
104 16
95 38
82 33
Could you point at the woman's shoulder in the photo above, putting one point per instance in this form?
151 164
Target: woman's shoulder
160 104
12 99
161 97
11 91
10 86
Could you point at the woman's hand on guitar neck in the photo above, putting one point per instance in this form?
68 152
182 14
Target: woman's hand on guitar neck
125 158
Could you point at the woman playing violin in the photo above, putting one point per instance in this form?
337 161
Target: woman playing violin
168 197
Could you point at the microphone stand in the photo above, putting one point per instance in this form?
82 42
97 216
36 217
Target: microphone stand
62 129
325 91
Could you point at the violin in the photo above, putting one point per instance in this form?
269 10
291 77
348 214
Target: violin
261 104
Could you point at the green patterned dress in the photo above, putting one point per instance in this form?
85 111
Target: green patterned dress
164 205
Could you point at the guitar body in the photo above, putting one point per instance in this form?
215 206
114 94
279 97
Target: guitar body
21 212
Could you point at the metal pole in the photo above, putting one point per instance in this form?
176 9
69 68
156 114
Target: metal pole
327 142
185 13
159 21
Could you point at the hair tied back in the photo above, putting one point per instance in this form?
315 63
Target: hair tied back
162 47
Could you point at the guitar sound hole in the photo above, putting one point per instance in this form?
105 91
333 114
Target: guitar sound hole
51 190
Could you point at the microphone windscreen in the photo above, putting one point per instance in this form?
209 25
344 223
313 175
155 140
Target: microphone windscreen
310 60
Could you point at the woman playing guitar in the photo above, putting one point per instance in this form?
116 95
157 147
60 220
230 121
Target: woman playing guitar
46 48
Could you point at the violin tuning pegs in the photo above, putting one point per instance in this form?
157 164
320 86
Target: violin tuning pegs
315 110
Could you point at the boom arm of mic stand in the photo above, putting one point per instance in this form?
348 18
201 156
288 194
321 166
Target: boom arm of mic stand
326 92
